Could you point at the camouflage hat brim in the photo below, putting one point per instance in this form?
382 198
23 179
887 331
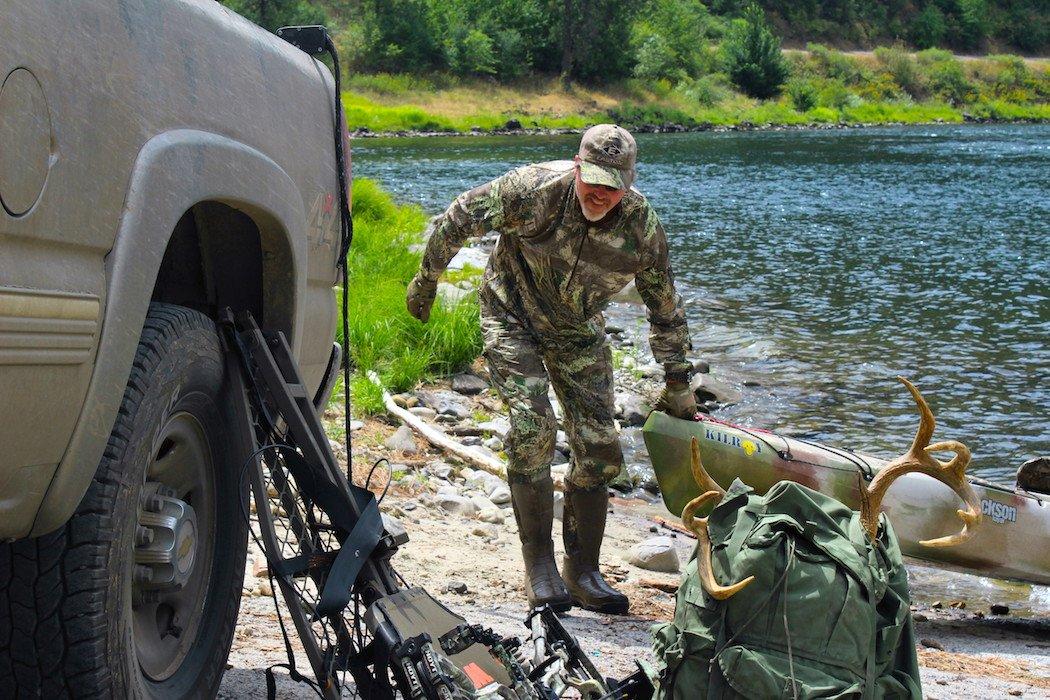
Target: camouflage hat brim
594 174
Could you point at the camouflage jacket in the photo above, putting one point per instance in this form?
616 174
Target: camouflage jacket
554 270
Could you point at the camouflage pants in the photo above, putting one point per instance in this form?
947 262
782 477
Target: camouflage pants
581 373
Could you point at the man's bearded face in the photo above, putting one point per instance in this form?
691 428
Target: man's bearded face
596 200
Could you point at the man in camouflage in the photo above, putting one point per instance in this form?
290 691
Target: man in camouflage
573 234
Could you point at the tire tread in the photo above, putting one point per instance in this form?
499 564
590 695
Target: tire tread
53 588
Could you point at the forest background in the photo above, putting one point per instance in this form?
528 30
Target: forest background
462 65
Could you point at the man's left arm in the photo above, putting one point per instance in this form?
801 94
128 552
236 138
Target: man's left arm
668 329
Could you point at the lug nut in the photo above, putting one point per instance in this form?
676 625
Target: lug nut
143 574
144 535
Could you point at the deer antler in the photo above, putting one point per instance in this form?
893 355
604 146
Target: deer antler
698 526
918 458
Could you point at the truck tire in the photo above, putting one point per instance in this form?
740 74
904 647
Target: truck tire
136 596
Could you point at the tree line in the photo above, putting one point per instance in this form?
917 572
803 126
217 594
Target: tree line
597 41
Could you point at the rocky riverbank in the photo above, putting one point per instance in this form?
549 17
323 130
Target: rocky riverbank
464 549
513 127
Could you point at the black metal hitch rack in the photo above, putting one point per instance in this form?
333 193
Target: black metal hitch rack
329 549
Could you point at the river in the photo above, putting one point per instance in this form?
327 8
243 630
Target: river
818 265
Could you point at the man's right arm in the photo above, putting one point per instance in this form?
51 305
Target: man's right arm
472 214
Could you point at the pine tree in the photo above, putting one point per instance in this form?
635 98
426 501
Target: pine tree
753 57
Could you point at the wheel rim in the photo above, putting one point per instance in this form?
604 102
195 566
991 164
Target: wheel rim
173 547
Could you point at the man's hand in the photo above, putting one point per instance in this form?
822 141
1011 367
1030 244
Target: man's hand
420 297
677 400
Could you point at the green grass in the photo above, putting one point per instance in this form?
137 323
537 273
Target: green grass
362 112
383 337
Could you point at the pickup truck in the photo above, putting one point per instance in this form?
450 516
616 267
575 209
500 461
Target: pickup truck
160 160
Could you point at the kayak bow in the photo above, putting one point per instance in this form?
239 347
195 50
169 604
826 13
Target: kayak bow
1012 542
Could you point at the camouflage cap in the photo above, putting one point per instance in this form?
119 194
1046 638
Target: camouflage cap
608 154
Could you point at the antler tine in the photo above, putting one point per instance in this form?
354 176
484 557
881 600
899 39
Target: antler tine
704 568
927 423
918 458
953 473
710 490
703 479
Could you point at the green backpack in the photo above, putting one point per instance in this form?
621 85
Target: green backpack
827 616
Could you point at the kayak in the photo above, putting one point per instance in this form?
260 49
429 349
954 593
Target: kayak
1011 542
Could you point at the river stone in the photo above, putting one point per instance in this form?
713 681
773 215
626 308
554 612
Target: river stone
707 388
701 367
497 426
482 502
403 440
492 515
423 412
468 384
356 425
440 470
656 554
471 440
652 371
469 255
447 488
494 444
453 408
454 503
451 294
633 410
500 495
485 531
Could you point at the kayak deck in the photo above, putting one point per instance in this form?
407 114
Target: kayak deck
1013 540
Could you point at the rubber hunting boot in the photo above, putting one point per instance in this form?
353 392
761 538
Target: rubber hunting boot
583 529
534 512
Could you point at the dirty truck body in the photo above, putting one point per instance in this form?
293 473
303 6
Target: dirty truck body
159 160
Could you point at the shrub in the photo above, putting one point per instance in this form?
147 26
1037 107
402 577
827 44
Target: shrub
469 52
928 28
1012 80
880 87
835 64
476 54
513 55
948 82
670 37
835 95
903 68
706 91
656 59
753 57
803 95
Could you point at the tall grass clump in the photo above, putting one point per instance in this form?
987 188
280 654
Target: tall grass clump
384 338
